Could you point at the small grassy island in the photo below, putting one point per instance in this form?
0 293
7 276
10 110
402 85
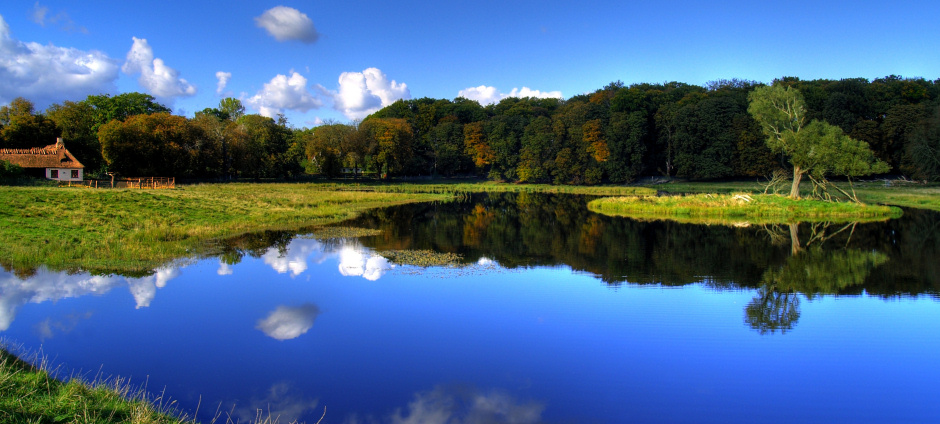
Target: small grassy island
732 208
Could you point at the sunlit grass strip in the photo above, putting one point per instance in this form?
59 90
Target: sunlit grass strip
31 394
720 208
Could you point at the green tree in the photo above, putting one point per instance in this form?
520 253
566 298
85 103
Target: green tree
535 156
392 138
21 127
157 144
923 150
626 134
326 147
122 106
76 122
231 108
446 140
818 148
265 148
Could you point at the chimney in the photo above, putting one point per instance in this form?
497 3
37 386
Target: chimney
58 143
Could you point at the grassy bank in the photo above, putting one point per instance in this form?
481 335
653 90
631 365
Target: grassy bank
31 395
907 195
726 208
135 230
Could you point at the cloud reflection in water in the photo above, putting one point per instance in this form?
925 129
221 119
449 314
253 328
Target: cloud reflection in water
295 259
45 286
461 405
356 261
279 404
289 322
145 289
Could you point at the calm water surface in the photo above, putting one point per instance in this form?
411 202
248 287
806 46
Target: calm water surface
551 314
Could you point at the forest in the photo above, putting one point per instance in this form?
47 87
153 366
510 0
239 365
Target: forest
616 134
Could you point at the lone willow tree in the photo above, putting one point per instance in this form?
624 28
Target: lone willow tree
816 149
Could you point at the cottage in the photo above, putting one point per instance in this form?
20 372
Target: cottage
53 162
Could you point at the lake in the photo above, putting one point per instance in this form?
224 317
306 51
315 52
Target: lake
517 308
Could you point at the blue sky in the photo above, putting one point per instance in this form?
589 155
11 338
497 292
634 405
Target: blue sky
321 60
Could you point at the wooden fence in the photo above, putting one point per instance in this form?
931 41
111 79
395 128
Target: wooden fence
153 183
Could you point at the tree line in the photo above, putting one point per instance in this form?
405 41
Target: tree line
614 135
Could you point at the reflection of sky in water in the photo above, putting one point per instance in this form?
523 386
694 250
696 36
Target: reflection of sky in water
289 322
290 333
47 286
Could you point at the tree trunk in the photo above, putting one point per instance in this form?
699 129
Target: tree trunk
795 188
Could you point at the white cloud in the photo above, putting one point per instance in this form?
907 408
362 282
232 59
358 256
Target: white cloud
289 322
362 93
223 78
284 92
158 79
288 24
486 95
47 74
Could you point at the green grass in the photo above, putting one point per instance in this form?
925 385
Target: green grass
31 394
898 193
728 208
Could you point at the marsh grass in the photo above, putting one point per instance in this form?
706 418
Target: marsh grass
738 209
422 258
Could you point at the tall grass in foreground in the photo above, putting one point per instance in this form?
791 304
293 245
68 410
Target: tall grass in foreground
34 394
31 394
739 207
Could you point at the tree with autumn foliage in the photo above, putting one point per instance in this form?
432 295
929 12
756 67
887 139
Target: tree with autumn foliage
392 138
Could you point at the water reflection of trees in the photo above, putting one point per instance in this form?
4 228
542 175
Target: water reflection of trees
532 229
783 262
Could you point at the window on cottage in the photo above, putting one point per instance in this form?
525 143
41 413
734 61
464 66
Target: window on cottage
54 173
74 173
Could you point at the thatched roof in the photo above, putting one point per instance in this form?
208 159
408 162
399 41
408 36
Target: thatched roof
51 156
